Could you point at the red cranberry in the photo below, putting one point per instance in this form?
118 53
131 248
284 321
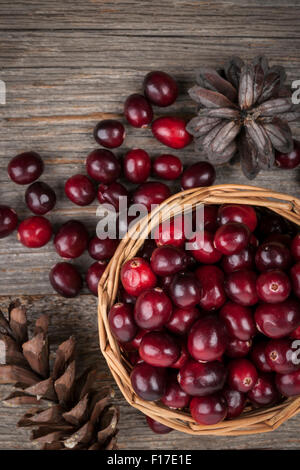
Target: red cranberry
208 410
244 259
109 133
65 279
8 221
295 278
264 391
35 232
238 320
111 194
240 287
102 249
198 175
25 168
150 194
157 427
138 111
80 190
242 375
171 232
159 349
94 274
167 167
295 247
288 384
207 340
171 131
231 238
174 396
166 260
148 382
137 276
185 290
258 356
206 218
121 322
238 213
160 88
211 279
153 309
272 223
281 356
136 342
236 402
290 160
203 249
201 379
278 320
273 286
103 166
137 166
296 333
272 255
71 240
182 319
40 198
183 358
237 348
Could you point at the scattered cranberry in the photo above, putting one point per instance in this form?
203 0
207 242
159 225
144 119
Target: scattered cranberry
201 379
242 375
71 240
167 167
185 290
182 319
295 278
240 287
121 322
80 190
272 255
244 259
102 249
157 427
168 259
207 340
209 410
290 160
238 348
281 356
94 274
159 349
40 198
295 247
112 194
137 166
211 279
231 238
238 213
109 133
25 168
137 276
151 193
148 382
273 286
103 166
258 356
175 397
236 402
278 320
35 232
264 391
138 111
171 131
171 232
65 279
153 309
160 88
8 221
239 321
203 249
288 384
198 175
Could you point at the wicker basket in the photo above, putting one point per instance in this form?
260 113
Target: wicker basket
251 421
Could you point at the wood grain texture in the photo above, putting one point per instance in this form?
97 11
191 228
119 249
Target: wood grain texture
69 64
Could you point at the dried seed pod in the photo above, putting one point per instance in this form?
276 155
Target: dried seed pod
209 99
200 126
248 156
274 107
225 136
233 69
246 87
280 135
210 79
262 142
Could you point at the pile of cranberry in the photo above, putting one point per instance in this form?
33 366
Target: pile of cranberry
213 328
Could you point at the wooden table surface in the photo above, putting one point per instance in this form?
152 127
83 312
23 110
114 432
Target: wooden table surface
67 65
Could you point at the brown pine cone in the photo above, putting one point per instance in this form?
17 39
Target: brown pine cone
76 412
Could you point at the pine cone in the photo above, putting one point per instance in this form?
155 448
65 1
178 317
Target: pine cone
244 108
76 412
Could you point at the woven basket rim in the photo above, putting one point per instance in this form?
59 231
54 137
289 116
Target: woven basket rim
251 421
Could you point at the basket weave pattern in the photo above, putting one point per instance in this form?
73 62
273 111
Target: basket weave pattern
251 421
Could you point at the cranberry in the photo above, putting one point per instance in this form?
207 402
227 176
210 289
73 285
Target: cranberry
157 427
171 131
281 356
231 238
185 290
112 194
208 410
206 218
237 348
295 278
136 342
174 396
203 249
71 240
40 198
289 160
264 391
211 279
166 260
148 382
138 111
236 402
238 320
272 223
65 279
8 221
273 286
153 309
295 247
167 167
137 276
207 340
137 166
201 379
238 213
278 320
183 358
94 274
159 349
296 333
35 231
25 168
80 190
182 319
198 175
171 232
258 356
244 259
288 384
103 166
160 88
102 249
121 322
150 194
133 356
109 133
272 255
240 287
242 375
